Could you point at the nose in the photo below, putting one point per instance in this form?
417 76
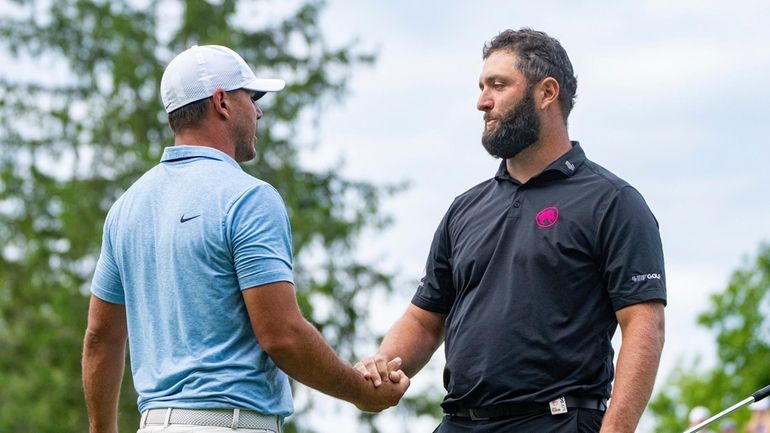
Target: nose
485 102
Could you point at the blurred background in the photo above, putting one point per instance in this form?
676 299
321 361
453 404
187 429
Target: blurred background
374 136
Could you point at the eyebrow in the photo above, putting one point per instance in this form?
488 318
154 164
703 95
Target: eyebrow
491 78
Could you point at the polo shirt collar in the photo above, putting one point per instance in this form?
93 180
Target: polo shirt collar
570 161
566 164
180 152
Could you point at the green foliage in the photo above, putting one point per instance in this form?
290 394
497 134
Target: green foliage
738 317
87 120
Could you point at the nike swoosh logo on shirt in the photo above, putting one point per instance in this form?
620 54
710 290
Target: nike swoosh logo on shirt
184 220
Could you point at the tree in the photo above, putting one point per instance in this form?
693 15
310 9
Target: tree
86 121
738 316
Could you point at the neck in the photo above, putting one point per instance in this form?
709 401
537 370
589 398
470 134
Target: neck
207 136
552 144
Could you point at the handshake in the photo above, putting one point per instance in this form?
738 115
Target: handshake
388 383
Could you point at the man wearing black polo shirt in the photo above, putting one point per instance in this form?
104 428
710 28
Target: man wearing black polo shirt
530 272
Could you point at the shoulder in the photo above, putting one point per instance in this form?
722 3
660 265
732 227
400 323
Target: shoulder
257 196
474 194
603 177
609 188
252 186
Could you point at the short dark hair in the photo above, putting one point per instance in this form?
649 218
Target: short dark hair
540 56
188 116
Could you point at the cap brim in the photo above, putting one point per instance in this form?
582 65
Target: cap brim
266 85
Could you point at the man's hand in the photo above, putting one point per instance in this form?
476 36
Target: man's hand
378 369
388 394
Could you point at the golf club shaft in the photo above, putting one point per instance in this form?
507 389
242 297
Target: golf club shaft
736 406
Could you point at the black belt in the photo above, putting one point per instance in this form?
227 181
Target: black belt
514 409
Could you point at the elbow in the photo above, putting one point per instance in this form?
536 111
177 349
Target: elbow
275 346
97 341
280 342
93 341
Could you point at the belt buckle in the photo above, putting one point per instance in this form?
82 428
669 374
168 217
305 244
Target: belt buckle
474 417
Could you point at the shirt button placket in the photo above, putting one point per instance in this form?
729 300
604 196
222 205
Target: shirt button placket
515 209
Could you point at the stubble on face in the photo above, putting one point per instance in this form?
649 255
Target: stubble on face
515 131
245 146
245 137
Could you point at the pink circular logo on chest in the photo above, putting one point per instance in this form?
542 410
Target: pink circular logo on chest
547 217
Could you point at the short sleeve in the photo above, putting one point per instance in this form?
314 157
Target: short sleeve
630 251
260 237
436 292
107 284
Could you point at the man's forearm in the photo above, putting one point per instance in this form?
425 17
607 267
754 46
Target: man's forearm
408 345
304 355
413 341
299 349
307 357
103 366
637 366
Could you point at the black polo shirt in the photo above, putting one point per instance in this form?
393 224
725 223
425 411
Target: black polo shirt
531 275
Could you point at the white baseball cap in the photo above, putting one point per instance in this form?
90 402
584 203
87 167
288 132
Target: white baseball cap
197 72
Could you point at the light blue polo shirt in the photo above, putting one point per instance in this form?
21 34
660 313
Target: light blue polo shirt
178 248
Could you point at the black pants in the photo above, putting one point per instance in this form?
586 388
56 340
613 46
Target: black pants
574 421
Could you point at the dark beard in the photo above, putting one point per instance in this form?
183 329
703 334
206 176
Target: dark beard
515 132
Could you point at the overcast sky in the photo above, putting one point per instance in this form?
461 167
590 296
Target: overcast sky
673 96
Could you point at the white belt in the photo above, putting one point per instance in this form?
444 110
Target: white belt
232 418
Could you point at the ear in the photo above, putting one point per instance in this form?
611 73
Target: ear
221 103
548 90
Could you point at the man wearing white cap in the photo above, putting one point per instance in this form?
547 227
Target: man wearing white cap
192 254
697 415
